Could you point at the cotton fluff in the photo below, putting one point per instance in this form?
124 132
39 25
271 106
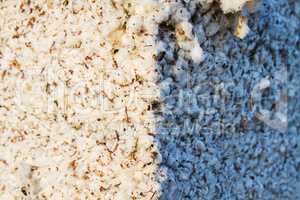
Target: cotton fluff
188 41
232 5
196 53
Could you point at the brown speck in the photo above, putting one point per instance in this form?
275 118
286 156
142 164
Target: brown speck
153 195
142 31
16 35
48 88
65 2
135 149
73 164
3 74
126 118
105 95
15 64
117 185
88 58
99 173
151 134
3 188
31 22
28 44
139 79
115 51
22 7
24 191
115 63
52 47
34 168
77 45
155 105
98 142
160 56
3 161
244 123
154 155
113 3
85 177
77 126
102 189
42 13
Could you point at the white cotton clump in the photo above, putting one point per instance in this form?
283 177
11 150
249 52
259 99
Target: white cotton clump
264 83
232 5
197 53
188 41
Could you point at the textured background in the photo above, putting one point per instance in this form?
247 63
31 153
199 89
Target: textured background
99 102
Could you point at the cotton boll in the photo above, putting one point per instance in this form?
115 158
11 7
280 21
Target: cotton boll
196 53
264 83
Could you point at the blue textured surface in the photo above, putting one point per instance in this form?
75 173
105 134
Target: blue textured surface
213 145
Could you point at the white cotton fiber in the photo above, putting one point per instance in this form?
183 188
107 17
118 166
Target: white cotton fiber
232 5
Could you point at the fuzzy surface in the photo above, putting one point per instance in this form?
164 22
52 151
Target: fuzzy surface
127 100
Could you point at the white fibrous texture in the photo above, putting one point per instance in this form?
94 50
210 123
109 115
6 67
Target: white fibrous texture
76 91
232 5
